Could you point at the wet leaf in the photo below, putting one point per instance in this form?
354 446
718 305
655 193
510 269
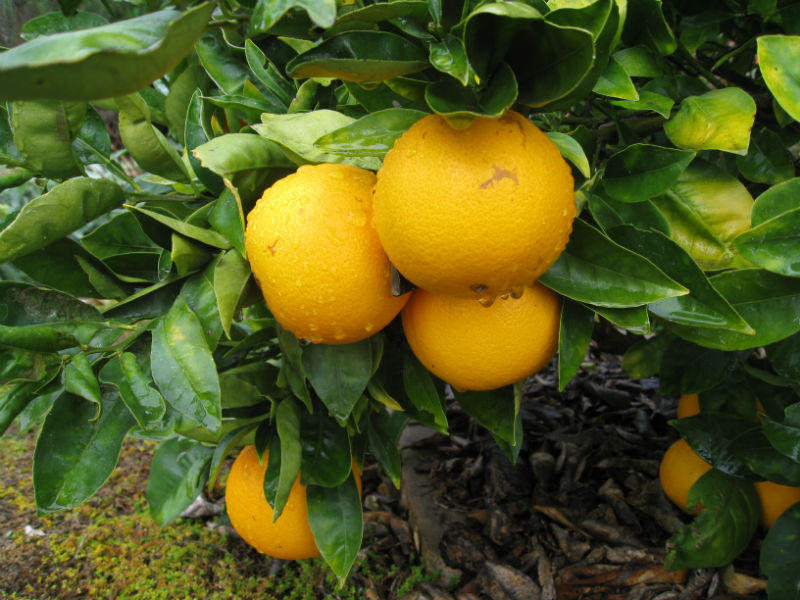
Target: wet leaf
777 553
775 201
201 234
384 433
43 134
235 152
496 410
643 171
287 421
450 57
616 83
177 474
75 452
101 62
421 390
636 319
460 105
767 159
144 402
717 120
648 100
268 12
574 336
79 379
645 23
231 276
371 135
339 374
58 22
687 368
773 244
571 149
326 450
784 436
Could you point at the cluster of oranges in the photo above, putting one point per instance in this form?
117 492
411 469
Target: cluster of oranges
681 467
470 217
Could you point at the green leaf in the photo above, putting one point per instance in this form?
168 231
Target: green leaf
775 201
636 319
194 135
227 218
616 83
690 369
274 85
648 100
773 245
450 57
643 359
57 266
596 270
268 12
183 367
770 303
785 436
574 336
610 213
75 452
643 171
43 134
235 152
767 160
287 420
496 410
231 276
572 151
201 234
57 213
14 399
383 434
339 374
360 56
80 380
422 392
548 60
371 135
717 120
326 450
645 23
222 62
150 148
101 62
58 22
706 209
337 522
776 560
292 370
724 527
297 133
460 105
145 403
784 356
703 306
177 475
779 62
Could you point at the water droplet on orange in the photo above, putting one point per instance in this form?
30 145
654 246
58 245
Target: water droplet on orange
486 301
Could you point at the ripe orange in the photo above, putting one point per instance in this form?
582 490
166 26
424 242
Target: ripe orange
473 347
688 406
289 537
680 468
315 254
775 499
474 213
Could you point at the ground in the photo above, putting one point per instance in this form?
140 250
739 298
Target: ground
580 515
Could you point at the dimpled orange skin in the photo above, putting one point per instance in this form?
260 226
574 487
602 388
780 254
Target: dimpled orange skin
289 537
775 499
473 347
477 212
315 254
680 468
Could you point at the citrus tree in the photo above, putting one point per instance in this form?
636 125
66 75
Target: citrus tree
128 302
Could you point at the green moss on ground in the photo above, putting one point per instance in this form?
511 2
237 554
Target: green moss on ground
110 547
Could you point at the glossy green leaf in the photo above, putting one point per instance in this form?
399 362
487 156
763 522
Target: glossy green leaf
270 81
183 367
231 276
616 83
360 56
14 399
180 95
648 100
770 303
784 436
784 356
151 150
574 335
776 559
101 62
548 60
43 134
177 475
706 209
496 410
268 12
337 522
635 319
779 62
201 234
287 420
610 213
199 294
57 213
643 358
722 529
460 105
9 155
292 370
717 120
383 433
383 11
639 61
235 152
222 62
774 244
687 368
227 218
422 392
187 257
76 453
775 201
450 57
645 23
80 380
339 374
703 306
326 450
371 135
58 22
297 133
57 266
572 151
144 402
194 135
767 160
643 171
594 269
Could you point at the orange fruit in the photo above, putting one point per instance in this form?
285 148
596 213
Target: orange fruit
474 347
475 213
775 499
315 254
680 468
289 537
688 406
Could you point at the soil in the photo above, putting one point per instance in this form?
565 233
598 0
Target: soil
580 515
